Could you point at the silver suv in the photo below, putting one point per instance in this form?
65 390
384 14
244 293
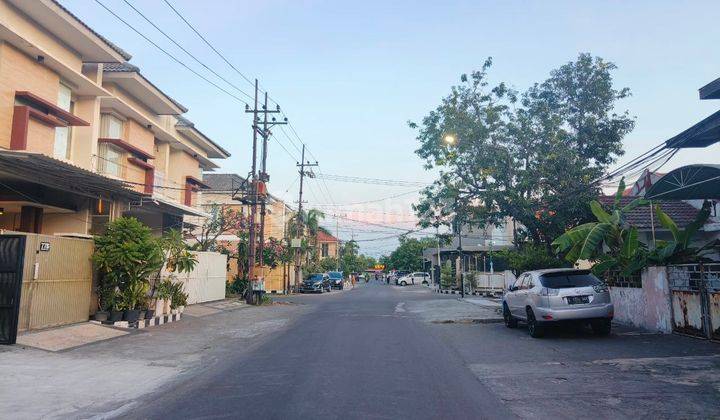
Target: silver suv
544 297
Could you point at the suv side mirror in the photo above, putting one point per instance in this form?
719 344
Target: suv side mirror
512 288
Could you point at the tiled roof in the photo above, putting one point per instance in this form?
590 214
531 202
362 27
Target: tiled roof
681 212
117 49
324 237
222 182
130 68
183 122
120 68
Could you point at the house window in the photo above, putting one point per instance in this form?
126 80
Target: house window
99 216
325 250
111 127
109 159
61 148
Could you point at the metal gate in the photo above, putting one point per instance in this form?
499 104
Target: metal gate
12 250
695 295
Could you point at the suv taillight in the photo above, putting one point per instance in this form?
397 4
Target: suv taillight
546 291
600 288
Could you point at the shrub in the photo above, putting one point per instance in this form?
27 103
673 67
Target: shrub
238 286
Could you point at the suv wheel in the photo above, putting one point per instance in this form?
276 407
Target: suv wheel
510 321
425 283
535 330
601 327
403 283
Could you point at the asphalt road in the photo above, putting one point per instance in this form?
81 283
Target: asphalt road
362 354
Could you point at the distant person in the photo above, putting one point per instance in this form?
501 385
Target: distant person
377 276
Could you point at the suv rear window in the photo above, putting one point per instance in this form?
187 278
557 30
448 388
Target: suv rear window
567 280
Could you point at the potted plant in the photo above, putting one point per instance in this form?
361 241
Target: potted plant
133 297
106 300
117 310
178 298
164 294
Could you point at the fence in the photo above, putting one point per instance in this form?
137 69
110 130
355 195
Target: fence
56 283
207 280
695 299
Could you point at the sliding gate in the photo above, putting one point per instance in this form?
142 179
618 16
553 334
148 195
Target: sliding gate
695 294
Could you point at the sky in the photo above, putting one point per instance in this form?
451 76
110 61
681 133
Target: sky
350 75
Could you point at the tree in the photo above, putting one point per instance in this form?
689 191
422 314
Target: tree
531 157
223 220
408 256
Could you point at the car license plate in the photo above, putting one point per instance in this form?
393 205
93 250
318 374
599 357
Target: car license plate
576 300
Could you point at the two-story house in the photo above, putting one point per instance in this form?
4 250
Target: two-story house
84 136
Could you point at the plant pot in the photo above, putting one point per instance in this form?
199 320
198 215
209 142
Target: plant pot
131 315
102 316
115 316
150 314
141 315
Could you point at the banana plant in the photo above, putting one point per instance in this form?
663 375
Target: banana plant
609 242
678 250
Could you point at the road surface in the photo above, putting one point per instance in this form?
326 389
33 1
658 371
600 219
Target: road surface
370 353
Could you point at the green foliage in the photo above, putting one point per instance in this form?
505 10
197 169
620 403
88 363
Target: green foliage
134 295
351 261
678 250
265 299
178 257
531 156
178 297
164 289
609 242
447 279
408 255
530 257
238 286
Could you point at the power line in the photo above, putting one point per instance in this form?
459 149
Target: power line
168 54
210 45
375 181
185 50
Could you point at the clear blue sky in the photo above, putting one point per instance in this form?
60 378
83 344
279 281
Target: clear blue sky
351 74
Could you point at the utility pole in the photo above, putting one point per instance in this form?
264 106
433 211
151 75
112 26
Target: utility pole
253 201
256 191
337 247
300 229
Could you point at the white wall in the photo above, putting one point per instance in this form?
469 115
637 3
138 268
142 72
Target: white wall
207 281
648 307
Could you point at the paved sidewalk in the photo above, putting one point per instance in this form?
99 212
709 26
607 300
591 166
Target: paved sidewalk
106 378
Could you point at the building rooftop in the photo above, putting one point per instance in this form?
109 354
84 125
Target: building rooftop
222 182
681 212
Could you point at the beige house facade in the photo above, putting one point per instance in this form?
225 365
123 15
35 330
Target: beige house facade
84 136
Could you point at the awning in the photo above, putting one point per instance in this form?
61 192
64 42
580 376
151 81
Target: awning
40 169
702 134
160 204
691 182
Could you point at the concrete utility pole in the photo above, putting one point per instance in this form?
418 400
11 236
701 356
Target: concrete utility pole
252 192
300 228
257 191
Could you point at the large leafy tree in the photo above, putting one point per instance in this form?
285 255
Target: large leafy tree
531 156
408 255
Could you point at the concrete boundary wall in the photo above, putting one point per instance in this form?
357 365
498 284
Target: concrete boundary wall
647 307
207 281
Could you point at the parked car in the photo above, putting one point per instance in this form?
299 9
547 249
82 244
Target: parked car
395 275
336 279
414 278
545 297
316 283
